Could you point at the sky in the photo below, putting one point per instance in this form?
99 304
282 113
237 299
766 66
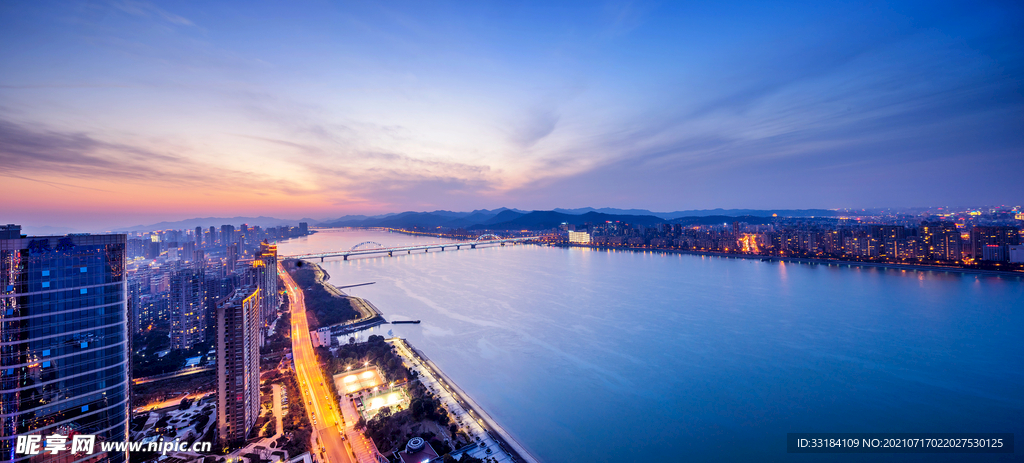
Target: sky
115 113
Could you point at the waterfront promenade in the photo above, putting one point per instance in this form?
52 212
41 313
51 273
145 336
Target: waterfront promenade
492 441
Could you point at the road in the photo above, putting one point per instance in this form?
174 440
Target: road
315 391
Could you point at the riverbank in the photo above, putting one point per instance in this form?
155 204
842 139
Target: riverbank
330 306
504 441
805 260
369 315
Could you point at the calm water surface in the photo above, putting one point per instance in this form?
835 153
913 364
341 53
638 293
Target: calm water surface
619 356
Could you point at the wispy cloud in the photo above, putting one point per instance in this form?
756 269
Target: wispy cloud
147 9
534 126
46 153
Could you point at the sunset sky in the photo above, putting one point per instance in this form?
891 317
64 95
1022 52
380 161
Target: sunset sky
126 112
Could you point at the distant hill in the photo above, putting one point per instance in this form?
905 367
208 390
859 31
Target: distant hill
206 222
707 212
512 219
494 219
541 220
425 219
754 213
721 220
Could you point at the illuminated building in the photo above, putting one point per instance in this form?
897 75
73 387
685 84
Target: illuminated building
889 239
63 338
940 240
188 309
984 237
238 364
993 252
265 265
417 451
579 237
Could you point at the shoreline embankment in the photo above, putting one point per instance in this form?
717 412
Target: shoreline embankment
369 315
806 260
508 443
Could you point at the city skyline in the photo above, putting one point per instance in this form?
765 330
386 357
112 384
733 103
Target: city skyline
126 112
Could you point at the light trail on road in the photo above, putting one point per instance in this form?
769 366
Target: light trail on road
315 391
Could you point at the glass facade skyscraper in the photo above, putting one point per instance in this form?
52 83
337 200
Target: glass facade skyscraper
64 341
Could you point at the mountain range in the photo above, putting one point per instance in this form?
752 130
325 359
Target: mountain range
513 219
505 218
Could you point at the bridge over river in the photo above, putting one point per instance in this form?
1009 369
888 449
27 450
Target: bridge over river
373 247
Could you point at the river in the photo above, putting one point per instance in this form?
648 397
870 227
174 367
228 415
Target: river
616 356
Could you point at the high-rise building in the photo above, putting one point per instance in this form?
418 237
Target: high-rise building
940 240
244 234
199 259
187 251
135 306
890 238
984 237
265 265
227 234
188 308
211 239
199 237
303 228
238 364
64 341
232 257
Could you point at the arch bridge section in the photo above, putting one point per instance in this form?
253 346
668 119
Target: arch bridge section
365 244
373 247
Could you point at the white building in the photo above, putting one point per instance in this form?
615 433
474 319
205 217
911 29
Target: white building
576 237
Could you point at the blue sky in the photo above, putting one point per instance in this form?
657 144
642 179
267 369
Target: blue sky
123 111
